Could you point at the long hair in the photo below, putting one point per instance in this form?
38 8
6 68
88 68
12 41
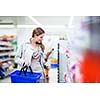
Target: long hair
38 31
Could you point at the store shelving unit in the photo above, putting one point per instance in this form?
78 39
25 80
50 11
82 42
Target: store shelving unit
58 65
64 62
7 51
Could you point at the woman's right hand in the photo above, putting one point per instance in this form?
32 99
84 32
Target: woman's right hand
25 64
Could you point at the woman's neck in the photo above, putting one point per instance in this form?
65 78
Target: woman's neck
34 44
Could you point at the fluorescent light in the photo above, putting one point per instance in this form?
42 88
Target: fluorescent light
6 26
34 20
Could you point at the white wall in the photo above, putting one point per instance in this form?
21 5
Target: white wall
8 31
24 34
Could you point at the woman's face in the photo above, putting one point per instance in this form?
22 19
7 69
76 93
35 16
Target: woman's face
38 39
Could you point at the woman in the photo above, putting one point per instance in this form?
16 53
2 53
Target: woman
32 53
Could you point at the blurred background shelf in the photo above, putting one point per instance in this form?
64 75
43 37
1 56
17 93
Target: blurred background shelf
7 54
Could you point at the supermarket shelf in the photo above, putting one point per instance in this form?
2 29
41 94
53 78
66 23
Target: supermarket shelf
5 43
6 48
13 54
7 53
6 73
12 58
5 59
6 39
6 66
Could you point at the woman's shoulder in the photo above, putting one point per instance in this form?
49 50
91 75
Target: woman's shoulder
25 45
28 45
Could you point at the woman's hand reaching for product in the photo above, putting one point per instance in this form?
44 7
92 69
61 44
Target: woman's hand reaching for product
48 54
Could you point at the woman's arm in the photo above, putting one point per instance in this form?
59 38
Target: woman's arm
48 54
18 58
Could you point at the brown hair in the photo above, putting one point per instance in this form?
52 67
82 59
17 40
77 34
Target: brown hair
38 31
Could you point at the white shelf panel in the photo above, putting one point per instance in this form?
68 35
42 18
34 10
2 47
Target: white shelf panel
5 59
6 48
4 54
8 39
5 43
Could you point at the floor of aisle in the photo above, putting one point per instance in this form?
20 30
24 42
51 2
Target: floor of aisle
52 77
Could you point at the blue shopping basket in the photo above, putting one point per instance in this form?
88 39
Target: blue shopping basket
23 76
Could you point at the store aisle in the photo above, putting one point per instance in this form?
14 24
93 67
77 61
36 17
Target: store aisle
52 77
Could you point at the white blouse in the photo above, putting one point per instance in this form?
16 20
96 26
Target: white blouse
31 56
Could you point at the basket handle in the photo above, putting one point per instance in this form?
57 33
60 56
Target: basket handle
24 69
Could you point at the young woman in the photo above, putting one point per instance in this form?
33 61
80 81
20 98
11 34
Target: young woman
32 53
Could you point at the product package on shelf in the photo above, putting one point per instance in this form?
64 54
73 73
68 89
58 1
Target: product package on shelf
7 51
